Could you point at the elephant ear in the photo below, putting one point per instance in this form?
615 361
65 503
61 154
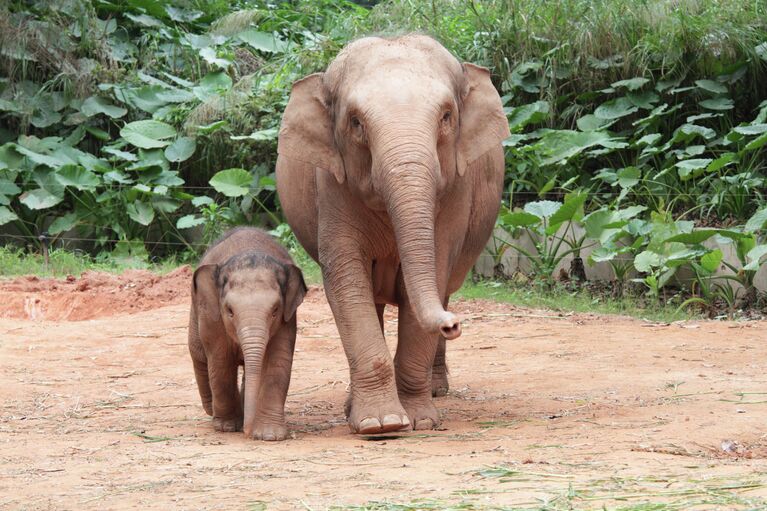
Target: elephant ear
205 292
483 122
295 290
306 133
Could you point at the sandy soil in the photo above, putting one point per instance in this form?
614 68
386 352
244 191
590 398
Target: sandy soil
569 411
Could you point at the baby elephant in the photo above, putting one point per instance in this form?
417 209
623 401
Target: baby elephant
244 299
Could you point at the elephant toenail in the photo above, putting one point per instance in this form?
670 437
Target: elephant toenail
369 425
392 420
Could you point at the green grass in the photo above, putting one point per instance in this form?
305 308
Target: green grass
564 300
15 262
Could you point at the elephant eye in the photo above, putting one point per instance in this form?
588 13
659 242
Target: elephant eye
446 116
355 122
229 311
274 310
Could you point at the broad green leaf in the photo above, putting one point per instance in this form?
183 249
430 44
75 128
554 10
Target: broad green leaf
603 254
645 99
543 208
123 155
688 167
53 162
692 238
757 222
212 127
711 86
98 105
212 84
8 187
688 132
753 129
6 215
140 212
756 143
262 41
591 122
260 135
558 146
210 56
631 83
645 261
532 113
519 219
628 176
649 140
710 261
202 200
182 15
77 177
39 198
718 104
148 134
615 109
181 149
755 256
721 162
63 223
232 182
188 221
570 210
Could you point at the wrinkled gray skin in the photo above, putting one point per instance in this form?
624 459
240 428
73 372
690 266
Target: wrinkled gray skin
390 172
244 299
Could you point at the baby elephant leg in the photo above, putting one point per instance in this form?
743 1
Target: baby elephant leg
275 380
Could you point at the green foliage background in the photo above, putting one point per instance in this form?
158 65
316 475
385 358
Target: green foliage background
140 128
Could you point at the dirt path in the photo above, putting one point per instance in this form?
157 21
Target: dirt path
573 411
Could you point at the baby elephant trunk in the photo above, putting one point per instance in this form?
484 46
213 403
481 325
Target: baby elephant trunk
253 341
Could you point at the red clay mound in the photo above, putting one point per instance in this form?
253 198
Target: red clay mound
92 295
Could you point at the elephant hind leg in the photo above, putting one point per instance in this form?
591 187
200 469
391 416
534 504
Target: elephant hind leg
439 383
200 363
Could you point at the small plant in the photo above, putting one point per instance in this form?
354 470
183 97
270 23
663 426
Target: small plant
547 224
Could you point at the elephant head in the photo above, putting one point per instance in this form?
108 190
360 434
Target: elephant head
398 122
250 296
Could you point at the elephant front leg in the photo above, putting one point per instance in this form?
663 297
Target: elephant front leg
227 406
275 380
439 383
373 406
414 361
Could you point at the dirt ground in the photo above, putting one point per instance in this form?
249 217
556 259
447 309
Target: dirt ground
545 411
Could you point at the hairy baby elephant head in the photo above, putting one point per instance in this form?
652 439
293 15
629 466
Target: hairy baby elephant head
251 295
399 123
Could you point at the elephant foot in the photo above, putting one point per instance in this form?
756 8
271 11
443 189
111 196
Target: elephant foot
208 407
269 431
227 425
439 384
371 416
422 412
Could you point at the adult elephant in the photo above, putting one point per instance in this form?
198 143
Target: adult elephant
390 173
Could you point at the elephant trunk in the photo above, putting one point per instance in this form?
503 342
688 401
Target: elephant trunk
410 193
253 341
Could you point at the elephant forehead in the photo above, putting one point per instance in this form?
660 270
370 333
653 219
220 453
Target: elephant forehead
398 88
253 279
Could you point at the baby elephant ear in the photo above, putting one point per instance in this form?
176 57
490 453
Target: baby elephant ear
205 291
294 292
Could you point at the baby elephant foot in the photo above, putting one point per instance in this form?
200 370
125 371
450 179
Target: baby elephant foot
422 412
370 417
227 425
269 431
439 384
